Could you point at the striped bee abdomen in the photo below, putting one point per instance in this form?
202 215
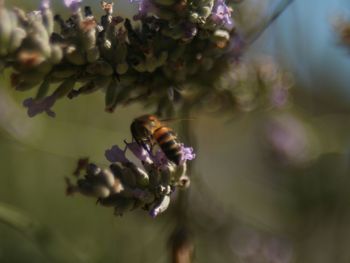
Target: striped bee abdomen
169 144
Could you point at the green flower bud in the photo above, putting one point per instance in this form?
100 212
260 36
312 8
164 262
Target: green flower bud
102 82
161 206
122 68
128 178
92 54
220 34
74 56
179 171
100 68
44 67
194 17
140 67
205 11
142 179
17 36
108 178
111 94
48 20
151 64
56 54
33 77
5 31
24 86
101 191
64 88
121 52
64 72
43 89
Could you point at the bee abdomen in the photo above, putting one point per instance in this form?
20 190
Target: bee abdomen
168 143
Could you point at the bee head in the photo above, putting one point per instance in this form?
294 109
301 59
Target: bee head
144 126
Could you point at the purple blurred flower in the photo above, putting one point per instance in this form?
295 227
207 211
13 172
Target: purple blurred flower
289 139
73 5
115 154
145 6
45 4
279 97
38 106
221 13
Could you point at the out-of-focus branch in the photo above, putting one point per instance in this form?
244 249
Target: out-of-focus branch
181 240
55 249
281 7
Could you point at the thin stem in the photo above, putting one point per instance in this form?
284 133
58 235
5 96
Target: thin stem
281 7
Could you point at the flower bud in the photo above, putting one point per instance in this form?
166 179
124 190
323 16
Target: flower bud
75 56
43 89
64 71
161 206
56 54
64 88
101 191
5 31
142 179
92 54
93 169
111 94
122 68
17 36
100 68
205 11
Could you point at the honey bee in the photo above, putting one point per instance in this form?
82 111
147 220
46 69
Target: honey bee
148 130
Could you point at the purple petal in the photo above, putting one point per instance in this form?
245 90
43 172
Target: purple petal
69 3
45 4
115 154
160 160
187 153
139 152
221 13
38 106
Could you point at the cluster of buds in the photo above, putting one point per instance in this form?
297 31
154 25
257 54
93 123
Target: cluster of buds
126 186
173 51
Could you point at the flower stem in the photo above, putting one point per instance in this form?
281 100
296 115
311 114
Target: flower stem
281 7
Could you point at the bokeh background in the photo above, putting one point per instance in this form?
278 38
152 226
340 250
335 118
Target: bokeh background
267 186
